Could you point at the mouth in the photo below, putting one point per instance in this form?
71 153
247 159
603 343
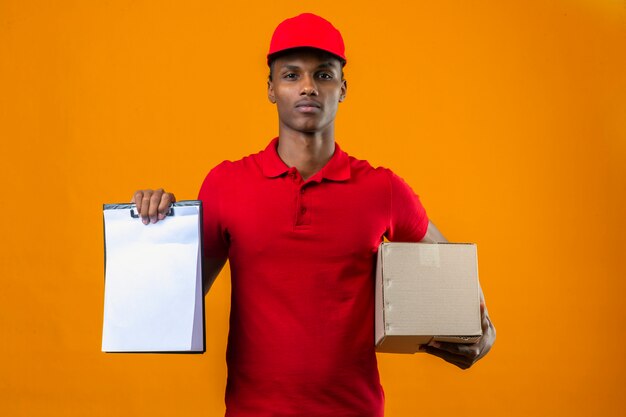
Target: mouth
308 106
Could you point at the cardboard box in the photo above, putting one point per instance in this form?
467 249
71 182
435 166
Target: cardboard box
426 291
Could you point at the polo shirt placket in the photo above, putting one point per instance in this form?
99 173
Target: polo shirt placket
337 169
302 206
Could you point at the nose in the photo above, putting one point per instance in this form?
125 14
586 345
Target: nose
308 88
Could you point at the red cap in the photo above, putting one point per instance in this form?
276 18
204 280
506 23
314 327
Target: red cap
307 31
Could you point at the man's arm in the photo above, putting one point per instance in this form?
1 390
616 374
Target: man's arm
433 235
210 270
462 355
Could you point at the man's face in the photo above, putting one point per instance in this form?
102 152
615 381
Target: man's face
307 86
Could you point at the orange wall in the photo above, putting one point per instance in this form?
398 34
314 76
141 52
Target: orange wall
508 118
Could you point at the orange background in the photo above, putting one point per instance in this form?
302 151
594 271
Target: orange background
508 118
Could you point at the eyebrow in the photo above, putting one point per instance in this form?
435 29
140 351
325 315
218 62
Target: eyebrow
292 67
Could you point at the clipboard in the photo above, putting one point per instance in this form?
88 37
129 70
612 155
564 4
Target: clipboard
153 296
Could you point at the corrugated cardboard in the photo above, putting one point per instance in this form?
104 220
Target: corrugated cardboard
426 291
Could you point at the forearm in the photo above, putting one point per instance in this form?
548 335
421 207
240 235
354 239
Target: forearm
210 270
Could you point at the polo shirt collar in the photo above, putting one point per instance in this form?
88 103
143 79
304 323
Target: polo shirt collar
336 169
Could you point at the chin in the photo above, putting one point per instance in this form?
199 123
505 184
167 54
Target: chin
308 128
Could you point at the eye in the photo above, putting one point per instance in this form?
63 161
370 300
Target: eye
290 76
325 75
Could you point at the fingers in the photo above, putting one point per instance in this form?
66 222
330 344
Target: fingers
155 200
459 354
468 350
145 206
164 206
449 357
153 205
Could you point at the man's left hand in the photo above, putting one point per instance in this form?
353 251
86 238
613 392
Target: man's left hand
465 355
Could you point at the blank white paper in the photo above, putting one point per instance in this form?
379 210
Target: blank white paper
153 282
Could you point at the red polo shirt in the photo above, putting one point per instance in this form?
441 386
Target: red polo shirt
302 257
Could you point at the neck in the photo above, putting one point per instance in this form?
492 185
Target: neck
307 152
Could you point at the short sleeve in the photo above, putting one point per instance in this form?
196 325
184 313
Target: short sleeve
408 221
215 238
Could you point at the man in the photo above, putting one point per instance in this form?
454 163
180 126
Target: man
300 223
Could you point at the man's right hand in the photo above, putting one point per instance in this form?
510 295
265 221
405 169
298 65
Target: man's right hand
152 205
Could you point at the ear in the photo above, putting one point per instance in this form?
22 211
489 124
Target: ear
344 90
270 92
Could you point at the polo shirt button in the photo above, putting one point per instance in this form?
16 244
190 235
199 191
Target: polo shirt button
303 210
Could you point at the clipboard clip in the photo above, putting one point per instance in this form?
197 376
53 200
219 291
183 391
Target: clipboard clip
136 216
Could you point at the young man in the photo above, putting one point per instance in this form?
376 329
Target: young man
300 223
